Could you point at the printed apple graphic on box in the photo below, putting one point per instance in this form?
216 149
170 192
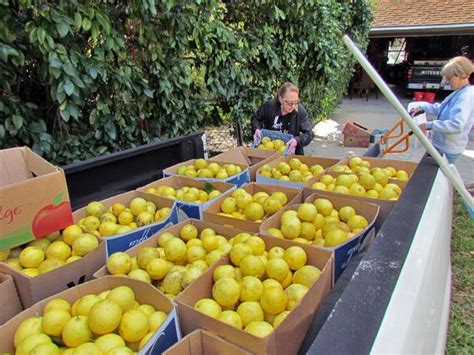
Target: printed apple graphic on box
52 218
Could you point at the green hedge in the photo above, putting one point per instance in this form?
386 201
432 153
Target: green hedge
81 79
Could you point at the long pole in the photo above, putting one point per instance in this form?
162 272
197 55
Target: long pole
449 170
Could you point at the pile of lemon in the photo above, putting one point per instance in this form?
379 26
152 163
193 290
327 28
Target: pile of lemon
319 223
294 171
119 219
175 262
258 290
113 322
245 206
185 193
361 180
208 169
49 253
268 144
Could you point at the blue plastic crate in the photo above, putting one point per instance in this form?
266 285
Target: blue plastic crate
285 137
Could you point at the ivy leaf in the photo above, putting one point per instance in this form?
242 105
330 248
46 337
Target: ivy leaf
148 92
69 87
17 121
78 20
63 29
86 24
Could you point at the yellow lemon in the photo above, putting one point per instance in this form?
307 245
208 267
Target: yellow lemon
123 296
226 292
306 275
259 329
274 300
156 319
119 263
232 318
104 317
53 322
249 312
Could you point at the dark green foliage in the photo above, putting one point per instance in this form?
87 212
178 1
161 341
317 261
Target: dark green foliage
82 78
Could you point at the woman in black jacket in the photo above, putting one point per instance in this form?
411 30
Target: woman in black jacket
285 114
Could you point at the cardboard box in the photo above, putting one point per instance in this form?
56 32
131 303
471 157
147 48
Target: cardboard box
186 209
343 252
202 342
287 338
167 335
252 157
408 166
385 205
9 300
310 161
125 241
34 289
211 213
34 200
356 135
238 179
226 232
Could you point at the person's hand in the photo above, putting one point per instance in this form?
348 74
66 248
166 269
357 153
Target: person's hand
415 111
257 135
291 146
422 127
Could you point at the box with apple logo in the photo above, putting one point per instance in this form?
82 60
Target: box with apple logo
34 200
125 241
164 337
211 173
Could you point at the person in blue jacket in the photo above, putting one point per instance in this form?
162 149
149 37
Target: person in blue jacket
455 115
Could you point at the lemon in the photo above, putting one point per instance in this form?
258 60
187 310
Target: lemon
172 282
50 264
123 296
133 326
76 332
256 244
108 217
84 304
259 328
146 308
108 342
157 269
27 327
190 275
252 265
156 319
274 300
139 274
45 349
119 263
31 257
209 307
226 292
251 289
295 257
91 223
287 281
357 222
268 283
324 206
224 271
307 212
31 272
295 293
210 242
249 312
188 232
39 243
84 244
232 318
175 249
53 321
275 232
291 227
95 209
125 218
277 269
335 237
32 341
138 205
254 212
104 317
58 250
238 252
145 255
214 256
280 318
306 275
145 340
195 252
87 349
57 304
121 350
108 228
14 263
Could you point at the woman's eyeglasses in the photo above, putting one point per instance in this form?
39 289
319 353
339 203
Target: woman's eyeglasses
291 103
